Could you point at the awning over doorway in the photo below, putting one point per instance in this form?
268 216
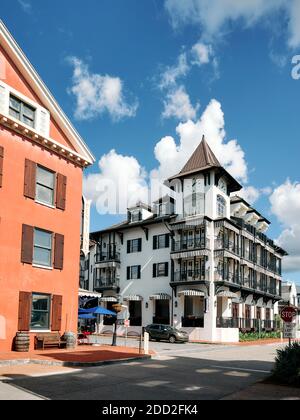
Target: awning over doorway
109 299
160 296
133 298
227 294
86 293
197 293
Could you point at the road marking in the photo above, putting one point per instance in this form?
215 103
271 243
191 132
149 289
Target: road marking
241 369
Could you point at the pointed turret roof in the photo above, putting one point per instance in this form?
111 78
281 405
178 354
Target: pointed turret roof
202 158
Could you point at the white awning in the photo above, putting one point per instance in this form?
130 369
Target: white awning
109 299
87 293
160 296
197 293
227 294
133 298
190 254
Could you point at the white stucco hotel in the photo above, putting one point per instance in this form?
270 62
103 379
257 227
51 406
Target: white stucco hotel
200 261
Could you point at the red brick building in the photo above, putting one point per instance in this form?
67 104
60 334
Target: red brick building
42 158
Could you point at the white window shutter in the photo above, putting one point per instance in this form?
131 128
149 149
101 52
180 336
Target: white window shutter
43 122
4 100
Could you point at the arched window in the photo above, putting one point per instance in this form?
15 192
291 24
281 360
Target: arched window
221 206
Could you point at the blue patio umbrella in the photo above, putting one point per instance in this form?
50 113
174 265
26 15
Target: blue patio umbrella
86 316
100 311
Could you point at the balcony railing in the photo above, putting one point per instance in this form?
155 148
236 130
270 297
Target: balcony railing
190 275
229 277
106 257
106 283
190 244
228 245
248 282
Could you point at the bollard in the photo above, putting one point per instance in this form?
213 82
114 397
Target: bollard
146 343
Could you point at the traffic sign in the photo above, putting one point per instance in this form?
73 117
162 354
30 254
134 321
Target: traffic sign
288 314
289 330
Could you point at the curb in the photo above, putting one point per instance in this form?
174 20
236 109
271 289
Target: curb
23 362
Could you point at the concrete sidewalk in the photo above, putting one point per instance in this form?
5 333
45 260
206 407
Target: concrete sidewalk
82 356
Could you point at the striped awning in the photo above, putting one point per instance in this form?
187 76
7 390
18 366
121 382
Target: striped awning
190 254
195 293
160 296
133 298
189 224
109 299
86 293
227 294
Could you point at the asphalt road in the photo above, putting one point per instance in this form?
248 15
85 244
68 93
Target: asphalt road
178 372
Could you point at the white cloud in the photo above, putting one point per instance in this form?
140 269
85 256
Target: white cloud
177 102
26 6
202 53
120 183
215 16
250 194
178 105
172 73
172 157
96 94
285 204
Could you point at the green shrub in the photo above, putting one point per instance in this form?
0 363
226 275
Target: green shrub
254 336
287 365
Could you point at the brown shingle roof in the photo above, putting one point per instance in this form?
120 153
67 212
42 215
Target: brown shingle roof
202 158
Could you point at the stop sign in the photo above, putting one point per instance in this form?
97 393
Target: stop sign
288 314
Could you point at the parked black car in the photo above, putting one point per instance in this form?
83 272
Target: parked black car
166 333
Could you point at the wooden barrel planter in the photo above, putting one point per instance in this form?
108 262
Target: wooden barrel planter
71 340
22 342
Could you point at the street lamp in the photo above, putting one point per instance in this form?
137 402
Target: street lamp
117 308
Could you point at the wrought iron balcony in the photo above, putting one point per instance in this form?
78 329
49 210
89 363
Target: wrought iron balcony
221 244
106 283
107 257
190 276
190 244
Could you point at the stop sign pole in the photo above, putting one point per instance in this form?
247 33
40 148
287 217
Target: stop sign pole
287 315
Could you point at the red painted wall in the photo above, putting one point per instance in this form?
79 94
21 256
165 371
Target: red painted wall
16 210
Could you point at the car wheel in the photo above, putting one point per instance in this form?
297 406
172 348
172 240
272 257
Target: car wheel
172 339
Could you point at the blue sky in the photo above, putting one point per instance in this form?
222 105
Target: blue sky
239 57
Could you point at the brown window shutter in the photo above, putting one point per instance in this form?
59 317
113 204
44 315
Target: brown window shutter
59 251
30 179
56 313
25 302
61 191
27 244
1 164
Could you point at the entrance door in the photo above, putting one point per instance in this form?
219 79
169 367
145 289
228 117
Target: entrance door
162 312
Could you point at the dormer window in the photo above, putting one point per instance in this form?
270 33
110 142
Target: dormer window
221 206
22 111
136 216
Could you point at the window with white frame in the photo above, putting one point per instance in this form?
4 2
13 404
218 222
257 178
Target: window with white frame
221 206
22 111
45 185
40 312
42 251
